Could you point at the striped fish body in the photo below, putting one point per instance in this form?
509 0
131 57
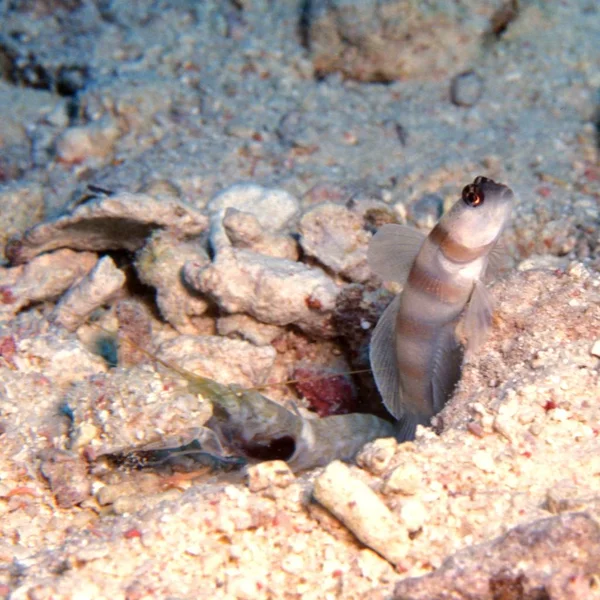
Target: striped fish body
415 353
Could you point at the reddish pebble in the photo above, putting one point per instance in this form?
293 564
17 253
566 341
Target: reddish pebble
132 533
326 394
6 295
550 405
8 348
544 191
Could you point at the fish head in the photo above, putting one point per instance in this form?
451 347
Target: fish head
481 214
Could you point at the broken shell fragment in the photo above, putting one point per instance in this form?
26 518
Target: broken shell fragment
122 221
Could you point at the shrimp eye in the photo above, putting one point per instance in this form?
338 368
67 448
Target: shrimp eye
472 195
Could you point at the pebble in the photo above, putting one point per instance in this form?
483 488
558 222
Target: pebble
274 473
78 144
46 277
245 231
94 290
335 236
377 455
248 328
406 479
361 510
484 461
413 514
67 476
595 351
274 210
159 264
466 89
230 361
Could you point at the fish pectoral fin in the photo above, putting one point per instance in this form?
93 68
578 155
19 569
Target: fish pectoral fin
382 354
446 367
498 261
393 250
477 319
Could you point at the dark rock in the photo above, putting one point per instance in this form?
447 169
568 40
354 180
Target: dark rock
549 559
466 89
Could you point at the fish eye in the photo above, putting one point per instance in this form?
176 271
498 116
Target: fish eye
473 196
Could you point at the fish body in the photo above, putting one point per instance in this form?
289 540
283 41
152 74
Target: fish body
415 352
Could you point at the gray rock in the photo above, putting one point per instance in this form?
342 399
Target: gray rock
229 361
248 328
159 264
46 277
335 236
274 210
553 558
245 231
99 286
272 290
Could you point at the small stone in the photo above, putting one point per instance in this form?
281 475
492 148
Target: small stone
361 510
248 328
245 231
274 210
95 140
230 361
159 264
46 277
335 236
484 461
274 473
94 290
595 351
377 455
466 89
413 514
67 476
406 479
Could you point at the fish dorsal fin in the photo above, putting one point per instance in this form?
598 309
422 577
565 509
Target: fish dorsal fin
446 367
393 250
382 354
477 319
